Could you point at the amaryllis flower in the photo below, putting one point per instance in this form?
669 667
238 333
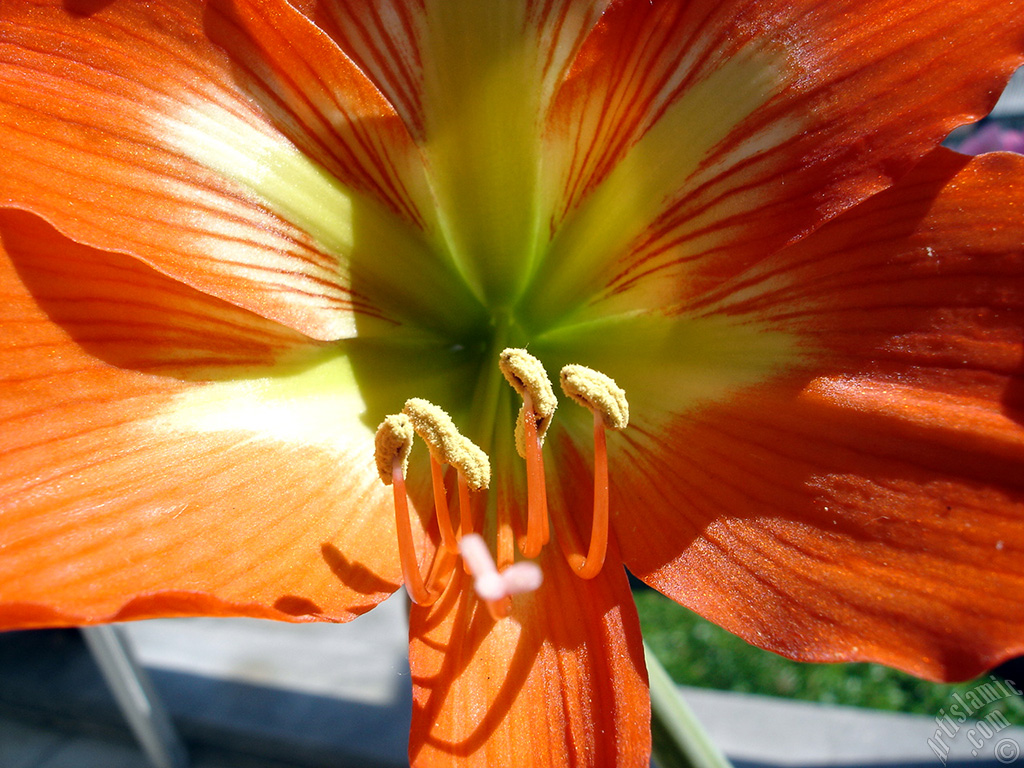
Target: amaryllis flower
238 234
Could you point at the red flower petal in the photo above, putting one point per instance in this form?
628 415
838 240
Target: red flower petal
696 138
870 508
383 39
561 682
130 129
322 101
388 41
137 413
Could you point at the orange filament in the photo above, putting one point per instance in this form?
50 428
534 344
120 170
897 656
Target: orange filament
499 609
465 513
537 530
506 544
588 567
599 527
419 592
465 507
440 571
444 520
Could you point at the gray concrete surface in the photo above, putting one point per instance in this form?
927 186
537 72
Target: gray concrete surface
269 694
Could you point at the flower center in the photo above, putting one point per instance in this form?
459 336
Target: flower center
497 583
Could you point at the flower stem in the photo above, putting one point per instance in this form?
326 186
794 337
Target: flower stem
679 740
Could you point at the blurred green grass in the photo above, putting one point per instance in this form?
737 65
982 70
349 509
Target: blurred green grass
698 653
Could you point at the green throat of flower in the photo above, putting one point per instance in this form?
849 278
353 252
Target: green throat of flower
497 582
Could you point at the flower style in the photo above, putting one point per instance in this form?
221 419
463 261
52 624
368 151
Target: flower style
237 234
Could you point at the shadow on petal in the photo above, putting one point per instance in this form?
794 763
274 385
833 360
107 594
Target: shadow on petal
128 315
84 8
559 682
297 606
355 576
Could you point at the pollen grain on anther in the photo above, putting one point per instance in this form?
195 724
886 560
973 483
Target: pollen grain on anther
526 374
394 439
598 392
446 443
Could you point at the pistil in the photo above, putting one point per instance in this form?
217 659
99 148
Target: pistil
495 587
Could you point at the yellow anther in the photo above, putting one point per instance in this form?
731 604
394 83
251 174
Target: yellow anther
598 392
527 376
446 443
394 439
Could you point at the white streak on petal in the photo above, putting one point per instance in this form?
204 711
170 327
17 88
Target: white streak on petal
318 405
269 169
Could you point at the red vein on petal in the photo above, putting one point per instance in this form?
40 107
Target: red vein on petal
390 56
354 162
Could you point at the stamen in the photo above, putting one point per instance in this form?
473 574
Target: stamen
495 584
414 584
494 588
607 401
447 446
527 376
393 443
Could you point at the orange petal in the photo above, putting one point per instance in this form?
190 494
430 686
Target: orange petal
163 131
384 40
390 41
320 99
871 506
163 452
559 682
691 139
